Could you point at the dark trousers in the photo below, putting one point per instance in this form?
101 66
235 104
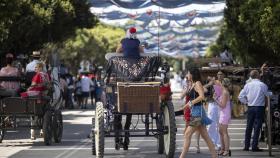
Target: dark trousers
118 126
255 117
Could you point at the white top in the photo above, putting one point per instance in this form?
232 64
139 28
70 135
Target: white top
86 83
31 66
254 93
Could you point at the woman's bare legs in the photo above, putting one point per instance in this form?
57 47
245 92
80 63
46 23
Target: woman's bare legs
222 140
204 134
224 136
188 136
197 134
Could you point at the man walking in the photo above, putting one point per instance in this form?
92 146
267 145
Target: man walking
86 83
254 95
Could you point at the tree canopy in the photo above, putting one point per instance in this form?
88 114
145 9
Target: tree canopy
89 44
251 31
26 25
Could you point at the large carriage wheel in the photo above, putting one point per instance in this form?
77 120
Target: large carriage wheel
2 131
47 127
57 123
99 130
160 139
169 123
93 137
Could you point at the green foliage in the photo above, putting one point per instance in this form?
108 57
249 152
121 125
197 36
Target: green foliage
213 50
89 44
252 30
26 25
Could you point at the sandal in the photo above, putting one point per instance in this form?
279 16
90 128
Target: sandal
221 152
227 153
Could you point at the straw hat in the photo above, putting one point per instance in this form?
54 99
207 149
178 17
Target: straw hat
36 54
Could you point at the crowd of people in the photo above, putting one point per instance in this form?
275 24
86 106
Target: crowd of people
215 96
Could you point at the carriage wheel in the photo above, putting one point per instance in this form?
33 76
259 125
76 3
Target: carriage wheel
99 130
93 137
2 131
47 128
160 139
160 144
169 123
57 126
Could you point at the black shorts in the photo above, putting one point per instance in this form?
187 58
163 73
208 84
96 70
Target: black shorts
85 94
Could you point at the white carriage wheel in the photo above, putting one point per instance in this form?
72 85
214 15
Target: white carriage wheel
99 130
170 137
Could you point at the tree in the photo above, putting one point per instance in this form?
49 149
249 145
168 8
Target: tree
89 44
251 30
27 25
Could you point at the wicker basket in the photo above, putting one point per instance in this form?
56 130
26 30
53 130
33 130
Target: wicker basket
138 97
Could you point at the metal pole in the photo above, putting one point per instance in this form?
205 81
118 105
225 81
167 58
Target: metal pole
269 127
158 28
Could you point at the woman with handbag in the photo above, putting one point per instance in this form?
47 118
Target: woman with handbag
198 120
187 111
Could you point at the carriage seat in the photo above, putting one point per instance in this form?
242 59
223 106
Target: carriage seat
130 69
9 92
28 78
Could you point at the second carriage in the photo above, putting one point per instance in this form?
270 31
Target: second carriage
35 112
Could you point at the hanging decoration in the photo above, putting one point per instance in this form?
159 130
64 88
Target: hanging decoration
181 27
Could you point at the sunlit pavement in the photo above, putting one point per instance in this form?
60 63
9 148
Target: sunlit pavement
77 125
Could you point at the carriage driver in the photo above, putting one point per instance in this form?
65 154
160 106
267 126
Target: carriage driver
30 67
131 48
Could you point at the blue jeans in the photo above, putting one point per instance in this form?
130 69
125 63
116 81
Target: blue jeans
255 117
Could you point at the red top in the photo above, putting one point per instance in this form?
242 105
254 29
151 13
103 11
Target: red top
165 89
40 78
187 112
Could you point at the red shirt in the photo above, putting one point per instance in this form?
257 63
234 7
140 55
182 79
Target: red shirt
40 79
165 89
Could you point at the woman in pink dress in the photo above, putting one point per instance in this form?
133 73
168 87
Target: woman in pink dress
9 88
225 116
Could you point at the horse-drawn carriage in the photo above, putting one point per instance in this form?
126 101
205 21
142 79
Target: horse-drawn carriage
40 111
132 88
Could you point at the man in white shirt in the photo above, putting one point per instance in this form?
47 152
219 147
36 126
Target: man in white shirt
86 83
254 95
30 67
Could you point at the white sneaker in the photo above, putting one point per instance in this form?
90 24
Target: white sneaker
32 133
